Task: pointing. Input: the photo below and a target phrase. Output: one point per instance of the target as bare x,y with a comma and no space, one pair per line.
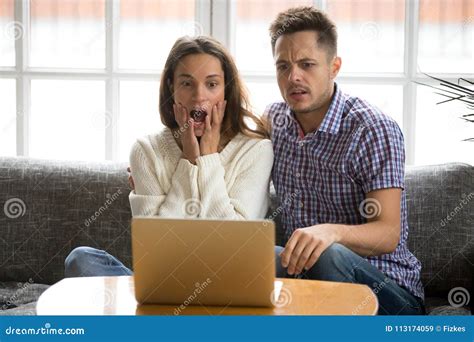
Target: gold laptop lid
203,262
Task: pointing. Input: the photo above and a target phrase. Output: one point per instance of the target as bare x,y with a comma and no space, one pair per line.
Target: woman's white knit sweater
232,184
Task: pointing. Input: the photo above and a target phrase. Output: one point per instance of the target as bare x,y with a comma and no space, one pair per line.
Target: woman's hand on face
186,132
212,133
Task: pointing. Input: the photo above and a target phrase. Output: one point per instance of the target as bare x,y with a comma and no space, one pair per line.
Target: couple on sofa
338,159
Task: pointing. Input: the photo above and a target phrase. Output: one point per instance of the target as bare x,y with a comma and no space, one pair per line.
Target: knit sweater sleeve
150,197
247,196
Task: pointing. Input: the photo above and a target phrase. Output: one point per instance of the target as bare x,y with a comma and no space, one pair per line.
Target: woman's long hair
237,110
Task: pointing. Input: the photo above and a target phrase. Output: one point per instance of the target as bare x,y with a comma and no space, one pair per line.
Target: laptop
203,262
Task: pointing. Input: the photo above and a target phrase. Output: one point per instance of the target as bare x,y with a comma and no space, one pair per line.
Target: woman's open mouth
198,115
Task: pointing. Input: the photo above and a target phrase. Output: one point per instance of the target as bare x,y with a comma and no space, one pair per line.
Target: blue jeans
338,263
91,262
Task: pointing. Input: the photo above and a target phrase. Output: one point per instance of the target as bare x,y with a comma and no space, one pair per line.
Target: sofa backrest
440,202
47,208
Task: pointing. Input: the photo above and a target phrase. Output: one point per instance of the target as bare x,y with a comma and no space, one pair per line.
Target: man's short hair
306,18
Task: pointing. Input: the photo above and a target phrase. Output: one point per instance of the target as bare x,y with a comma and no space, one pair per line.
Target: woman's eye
212,84
185,83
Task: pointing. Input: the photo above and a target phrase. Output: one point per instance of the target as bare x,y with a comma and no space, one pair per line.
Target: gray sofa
47,208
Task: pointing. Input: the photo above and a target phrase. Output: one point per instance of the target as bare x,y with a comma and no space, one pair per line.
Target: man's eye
307,65
281,67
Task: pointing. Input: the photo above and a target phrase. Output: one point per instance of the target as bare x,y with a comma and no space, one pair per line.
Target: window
68,119
10,31
148,30
446,36
86,73
440,131
7,118
137,117
89,70
67,34
375,28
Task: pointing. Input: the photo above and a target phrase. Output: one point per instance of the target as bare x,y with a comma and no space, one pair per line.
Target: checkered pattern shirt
323,176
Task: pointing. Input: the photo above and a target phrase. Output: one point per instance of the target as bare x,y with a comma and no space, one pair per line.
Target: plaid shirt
323,176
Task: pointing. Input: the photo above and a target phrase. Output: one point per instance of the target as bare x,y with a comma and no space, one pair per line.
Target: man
339,172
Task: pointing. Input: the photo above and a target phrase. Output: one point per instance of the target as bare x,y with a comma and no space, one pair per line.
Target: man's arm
379,236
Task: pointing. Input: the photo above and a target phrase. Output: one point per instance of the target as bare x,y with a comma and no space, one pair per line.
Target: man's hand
189,141
306,245
130,179
212,133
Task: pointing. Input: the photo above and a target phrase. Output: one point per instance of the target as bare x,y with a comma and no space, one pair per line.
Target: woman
206,163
